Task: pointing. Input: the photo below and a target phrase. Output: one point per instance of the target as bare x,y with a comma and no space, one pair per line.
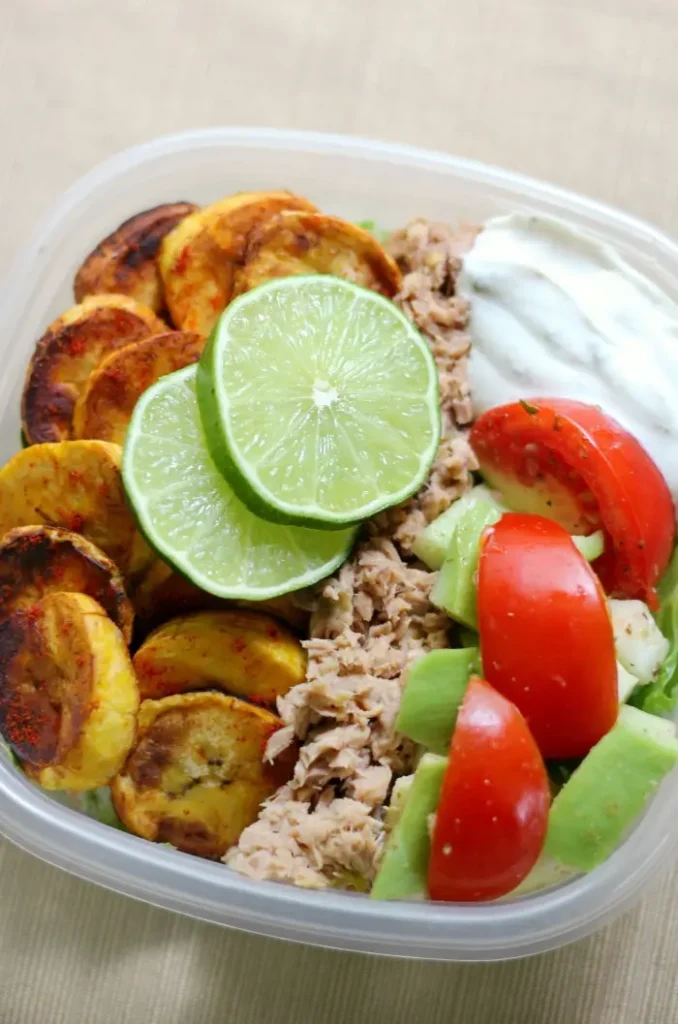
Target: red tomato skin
493,812
545,633
614,480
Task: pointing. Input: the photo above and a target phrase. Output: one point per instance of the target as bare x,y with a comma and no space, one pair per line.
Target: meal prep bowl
358,179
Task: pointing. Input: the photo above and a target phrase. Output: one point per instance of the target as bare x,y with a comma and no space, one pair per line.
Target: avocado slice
546,873
455,589
404,867
434,689
432,544
610,788
393,812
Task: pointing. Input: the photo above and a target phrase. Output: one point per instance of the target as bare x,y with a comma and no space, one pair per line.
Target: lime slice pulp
193,519
319,400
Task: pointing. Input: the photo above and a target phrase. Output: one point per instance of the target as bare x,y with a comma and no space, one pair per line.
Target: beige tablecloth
584,92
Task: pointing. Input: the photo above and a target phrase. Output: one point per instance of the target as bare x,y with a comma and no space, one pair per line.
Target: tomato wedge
491,820
545,633
573,463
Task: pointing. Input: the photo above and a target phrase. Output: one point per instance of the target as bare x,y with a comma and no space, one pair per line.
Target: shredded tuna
430,257
370,785
448,480
331,754
367,625
335,843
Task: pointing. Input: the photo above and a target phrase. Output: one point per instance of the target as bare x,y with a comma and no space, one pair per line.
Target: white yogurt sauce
554,312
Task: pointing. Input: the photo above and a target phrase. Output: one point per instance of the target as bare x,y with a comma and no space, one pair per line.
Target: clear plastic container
358,179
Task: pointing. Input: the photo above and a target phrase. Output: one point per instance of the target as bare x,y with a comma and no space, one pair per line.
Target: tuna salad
346,557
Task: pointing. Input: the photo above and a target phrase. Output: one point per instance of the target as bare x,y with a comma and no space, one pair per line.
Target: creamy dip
554,312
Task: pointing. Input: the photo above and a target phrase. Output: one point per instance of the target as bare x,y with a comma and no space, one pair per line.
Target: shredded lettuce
661,695
380,234
7,751
559,772
97,803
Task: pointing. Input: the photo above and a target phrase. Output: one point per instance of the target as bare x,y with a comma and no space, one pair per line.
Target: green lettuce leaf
97,803
661,695
380,234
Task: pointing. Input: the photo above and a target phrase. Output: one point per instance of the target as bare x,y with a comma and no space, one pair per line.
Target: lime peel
192,518
320,401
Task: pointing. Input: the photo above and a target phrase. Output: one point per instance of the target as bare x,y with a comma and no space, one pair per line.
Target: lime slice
193,519
319,400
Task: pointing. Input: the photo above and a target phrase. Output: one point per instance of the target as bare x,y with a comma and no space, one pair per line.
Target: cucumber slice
403,870
590,547
455,589
433,693
610,788
433,543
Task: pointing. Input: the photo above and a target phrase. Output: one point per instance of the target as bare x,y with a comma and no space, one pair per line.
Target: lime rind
368,437
189,514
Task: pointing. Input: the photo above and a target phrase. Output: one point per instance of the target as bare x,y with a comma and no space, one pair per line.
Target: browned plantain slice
107,401
196,778
163,594
75,485
68,694
125,261
198,259
242,652
299,242
40,560
70,349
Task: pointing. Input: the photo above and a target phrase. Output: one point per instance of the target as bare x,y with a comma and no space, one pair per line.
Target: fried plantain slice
107,401
198,259
162,594
40,560
125,262
68,693
241,652
76,485
299,242
196,778
70,349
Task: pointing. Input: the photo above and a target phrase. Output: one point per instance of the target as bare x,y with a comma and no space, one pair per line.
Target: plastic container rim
334,919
